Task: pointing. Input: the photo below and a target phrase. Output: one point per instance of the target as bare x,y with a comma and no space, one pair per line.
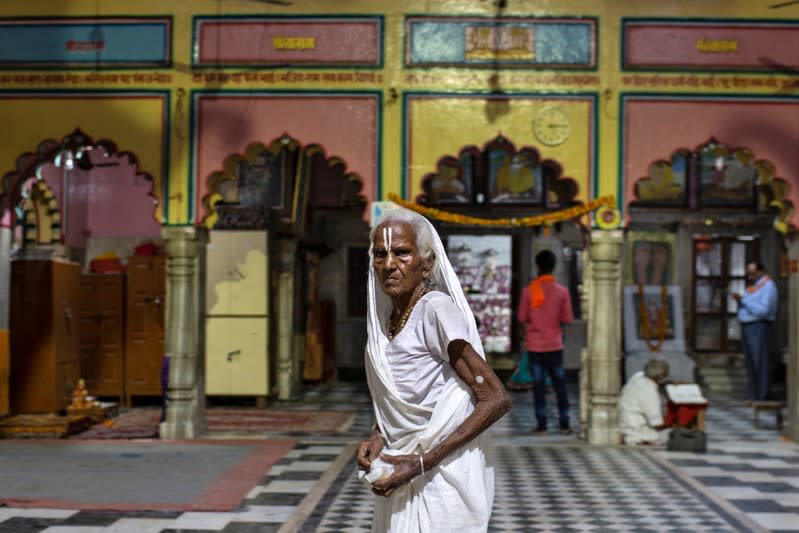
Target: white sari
419,400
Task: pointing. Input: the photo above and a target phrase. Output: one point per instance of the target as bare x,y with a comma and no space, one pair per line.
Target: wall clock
551,126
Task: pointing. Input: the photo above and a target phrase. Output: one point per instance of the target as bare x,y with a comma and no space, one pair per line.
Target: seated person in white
640,411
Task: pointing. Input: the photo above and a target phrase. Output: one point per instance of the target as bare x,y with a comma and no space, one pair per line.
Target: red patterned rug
142,423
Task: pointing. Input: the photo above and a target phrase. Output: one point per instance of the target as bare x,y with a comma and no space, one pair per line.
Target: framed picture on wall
635,338
483,266
651,258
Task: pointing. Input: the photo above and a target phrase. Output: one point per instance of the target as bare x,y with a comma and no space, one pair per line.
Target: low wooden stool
768,406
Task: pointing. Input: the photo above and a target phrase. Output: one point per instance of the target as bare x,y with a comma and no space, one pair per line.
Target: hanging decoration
531,221
643,311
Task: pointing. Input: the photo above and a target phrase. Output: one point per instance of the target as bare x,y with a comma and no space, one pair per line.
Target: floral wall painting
483,265
666,182
453,183
726,177
498,174
714,175
650,258
515,177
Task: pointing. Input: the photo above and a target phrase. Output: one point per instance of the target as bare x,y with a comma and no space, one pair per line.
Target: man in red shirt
544,306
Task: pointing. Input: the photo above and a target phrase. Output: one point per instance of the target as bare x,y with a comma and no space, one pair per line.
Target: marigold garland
537,220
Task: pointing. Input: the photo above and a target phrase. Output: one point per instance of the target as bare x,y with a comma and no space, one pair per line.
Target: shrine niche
40,220
276,184
498,174
715,175
73,169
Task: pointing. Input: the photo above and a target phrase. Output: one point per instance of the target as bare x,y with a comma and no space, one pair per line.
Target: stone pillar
604,341
585,366
287,375
185,413
792,379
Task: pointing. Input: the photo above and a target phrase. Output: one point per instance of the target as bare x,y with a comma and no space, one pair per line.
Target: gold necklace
396,328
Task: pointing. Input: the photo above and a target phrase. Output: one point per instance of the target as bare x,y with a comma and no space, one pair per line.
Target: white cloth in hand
380,470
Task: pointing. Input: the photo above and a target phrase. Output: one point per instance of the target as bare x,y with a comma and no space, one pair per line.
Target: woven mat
43,426
143,423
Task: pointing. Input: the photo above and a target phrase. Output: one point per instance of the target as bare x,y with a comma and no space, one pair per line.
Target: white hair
425,242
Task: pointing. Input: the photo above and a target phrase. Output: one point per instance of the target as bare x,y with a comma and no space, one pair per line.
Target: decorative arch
275,183
714,175
77,145
499,175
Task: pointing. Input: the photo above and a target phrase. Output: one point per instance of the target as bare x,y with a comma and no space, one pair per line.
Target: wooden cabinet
45,363
102,334
237,314
144,331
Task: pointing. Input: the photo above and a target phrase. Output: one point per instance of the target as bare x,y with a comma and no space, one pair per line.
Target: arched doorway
697,218
74,199
302,212
499,180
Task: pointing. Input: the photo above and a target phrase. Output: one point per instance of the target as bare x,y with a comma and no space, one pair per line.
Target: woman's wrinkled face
398,265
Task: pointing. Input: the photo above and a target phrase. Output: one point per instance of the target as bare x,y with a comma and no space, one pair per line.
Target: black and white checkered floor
748,481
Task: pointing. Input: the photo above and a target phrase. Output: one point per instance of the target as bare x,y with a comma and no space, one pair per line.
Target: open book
685,394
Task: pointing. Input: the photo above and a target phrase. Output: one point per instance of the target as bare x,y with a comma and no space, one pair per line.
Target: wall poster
483,265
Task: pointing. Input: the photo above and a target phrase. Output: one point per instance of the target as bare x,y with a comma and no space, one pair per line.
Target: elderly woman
433,393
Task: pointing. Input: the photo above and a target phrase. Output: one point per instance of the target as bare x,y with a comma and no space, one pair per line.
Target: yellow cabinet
237,273
236,359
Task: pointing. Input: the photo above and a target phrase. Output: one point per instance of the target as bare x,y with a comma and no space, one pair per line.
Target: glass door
719,268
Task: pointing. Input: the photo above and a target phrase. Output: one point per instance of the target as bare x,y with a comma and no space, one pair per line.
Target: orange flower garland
537,220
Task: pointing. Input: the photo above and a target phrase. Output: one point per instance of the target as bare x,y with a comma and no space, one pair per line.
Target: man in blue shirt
757,310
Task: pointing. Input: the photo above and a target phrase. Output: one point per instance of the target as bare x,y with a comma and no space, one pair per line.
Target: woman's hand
368,450
406,467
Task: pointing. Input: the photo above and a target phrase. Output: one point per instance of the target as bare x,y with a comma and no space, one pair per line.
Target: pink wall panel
345,126
675,45
106,201
121,205
251,42
653,129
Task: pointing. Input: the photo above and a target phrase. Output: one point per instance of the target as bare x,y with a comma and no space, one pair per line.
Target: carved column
185,413
792,379
585,367
287,364
604,341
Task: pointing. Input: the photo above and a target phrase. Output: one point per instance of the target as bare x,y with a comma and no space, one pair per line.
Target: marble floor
747,481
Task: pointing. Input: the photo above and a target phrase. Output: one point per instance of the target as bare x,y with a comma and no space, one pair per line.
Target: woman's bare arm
492,403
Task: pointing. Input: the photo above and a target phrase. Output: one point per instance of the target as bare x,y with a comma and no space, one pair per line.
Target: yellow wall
135,126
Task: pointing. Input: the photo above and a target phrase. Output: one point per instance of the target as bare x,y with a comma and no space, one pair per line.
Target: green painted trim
195,93
689,21
594,181
190,145
166,181
381,24
593,96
